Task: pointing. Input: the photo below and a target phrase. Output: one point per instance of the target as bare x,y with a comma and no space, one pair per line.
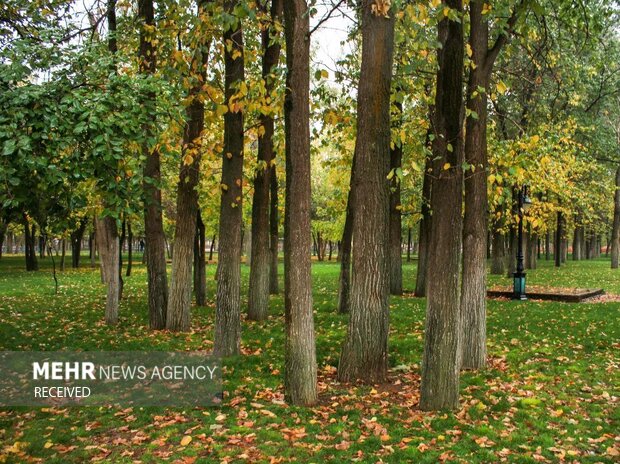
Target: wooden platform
570,295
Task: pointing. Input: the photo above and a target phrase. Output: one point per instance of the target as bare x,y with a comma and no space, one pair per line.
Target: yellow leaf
468,50
446,166
186,440
501,87
48,445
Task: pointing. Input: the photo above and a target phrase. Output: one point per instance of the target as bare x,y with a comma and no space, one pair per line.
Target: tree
440,370
300,376
364,353
396,162
227,310
258,299
155,252
180,296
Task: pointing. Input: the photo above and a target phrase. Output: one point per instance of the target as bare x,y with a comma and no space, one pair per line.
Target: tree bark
258,298
440,366
344,252
498,253
228,300
409,244
129,249
200,271
274,287
154,253
615,234
300,376
212,247
395,243
180,296
29,244
425,228
76,243
365,350
577,242
63,253
557,248
109,251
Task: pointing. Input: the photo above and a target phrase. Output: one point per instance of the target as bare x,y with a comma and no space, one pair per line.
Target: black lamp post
524,203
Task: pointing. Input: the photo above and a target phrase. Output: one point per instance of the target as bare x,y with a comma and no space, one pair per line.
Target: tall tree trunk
395,243
498,258
300,376
29,244
274,287
155,253
615,234
227,311
344,253
557,248
440,366
425,227
577,242
63,254
212,247
200,271
129,249
409,244
109,251
547,246
331,246
365,350
180,296
258,298
76,243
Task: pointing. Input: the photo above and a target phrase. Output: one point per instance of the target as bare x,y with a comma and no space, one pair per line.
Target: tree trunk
76,243
547,246
615,234
154,255
557,248
395,255
409,244
258,298
498,253
425,228
344,252
129,249
577,242
63,254
273,233
365,350
107,236
227,311
440,366
331,245
300,376
29,244
200,271
212,247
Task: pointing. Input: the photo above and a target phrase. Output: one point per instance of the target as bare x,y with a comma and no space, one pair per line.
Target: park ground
550,393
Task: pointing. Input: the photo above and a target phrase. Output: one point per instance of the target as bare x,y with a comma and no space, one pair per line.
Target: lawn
550,393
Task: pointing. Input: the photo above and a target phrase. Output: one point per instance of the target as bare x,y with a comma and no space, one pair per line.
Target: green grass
550,393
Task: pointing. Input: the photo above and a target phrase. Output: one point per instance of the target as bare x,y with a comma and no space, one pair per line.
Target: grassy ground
549,395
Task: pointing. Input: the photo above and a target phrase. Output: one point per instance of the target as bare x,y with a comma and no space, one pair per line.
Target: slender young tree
425,223
200,268
227,311
440,369
396,261
344,252
180,296
365,350
475,222
273,232
155,252
258,299
300,369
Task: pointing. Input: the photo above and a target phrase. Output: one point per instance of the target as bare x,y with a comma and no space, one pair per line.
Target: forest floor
550,394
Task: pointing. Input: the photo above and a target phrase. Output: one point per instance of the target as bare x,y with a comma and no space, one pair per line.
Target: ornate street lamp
524,204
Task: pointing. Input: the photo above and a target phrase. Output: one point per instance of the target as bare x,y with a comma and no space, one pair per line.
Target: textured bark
228,300
76,243
440,366
274,287
109,252
29,244
180,296
577,243
425,228
498,257
395,243
300,368
473,291
129,249
154,253
344,254
365,350
200,268
409,244
615,233
532,250
557,248
258,298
